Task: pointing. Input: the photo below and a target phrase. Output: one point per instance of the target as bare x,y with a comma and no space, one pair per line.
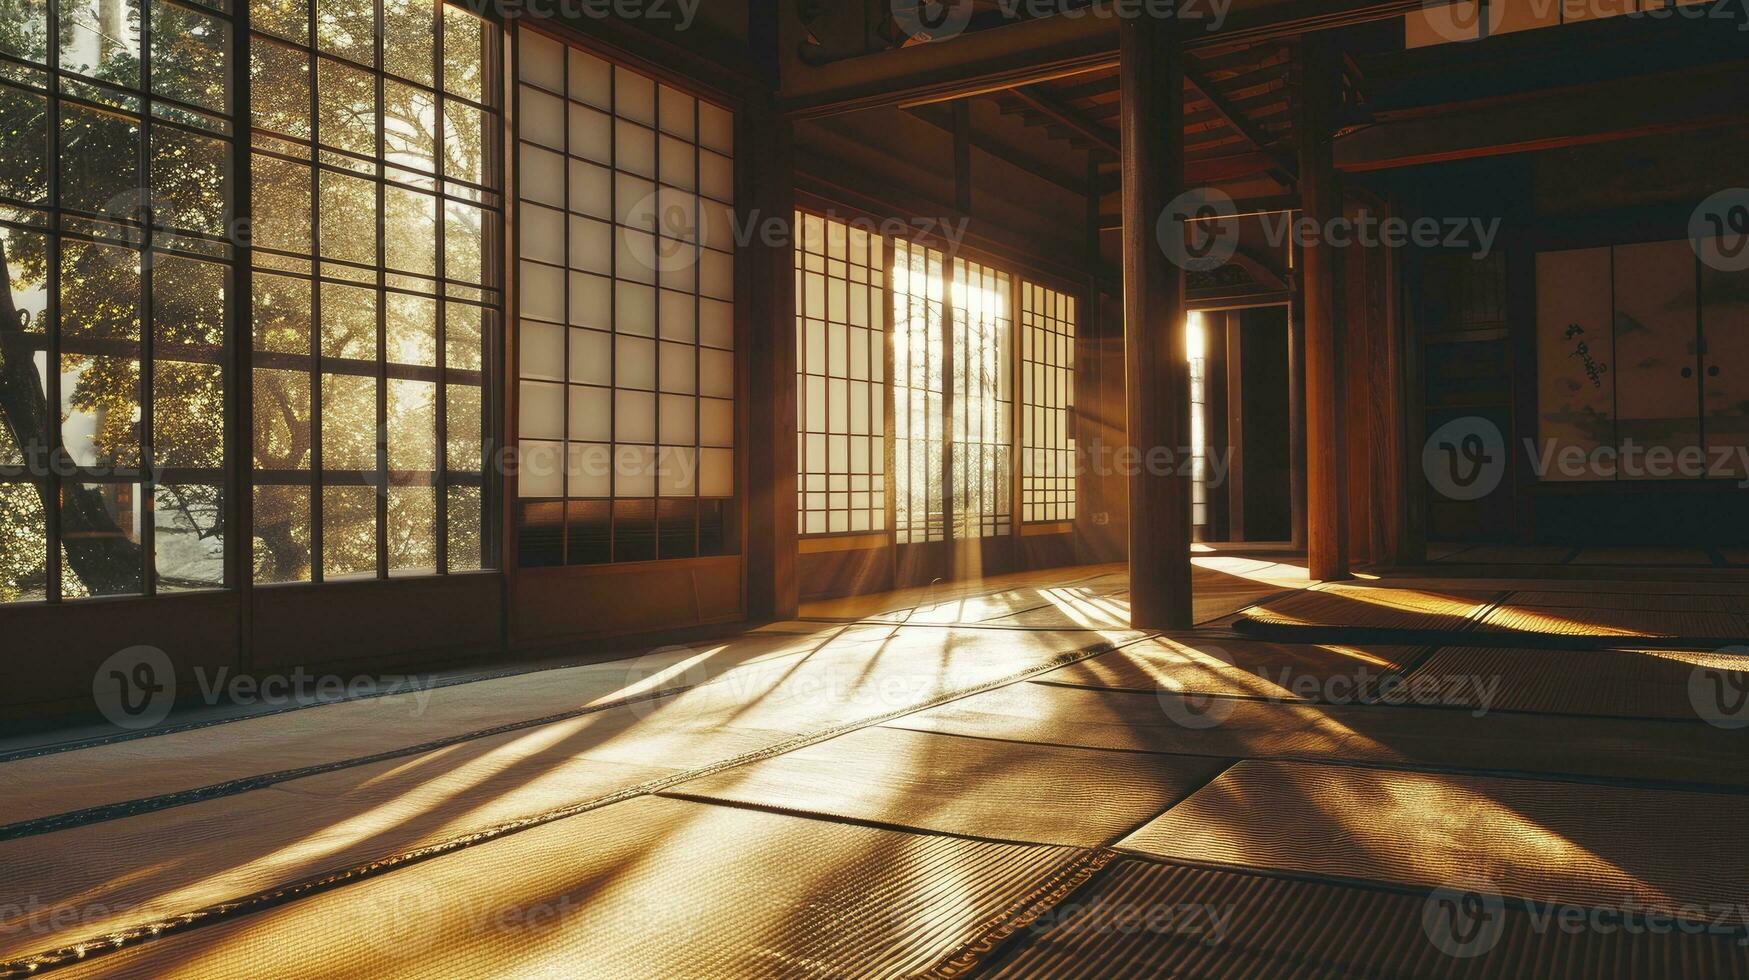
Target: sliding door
1657,388
1725,323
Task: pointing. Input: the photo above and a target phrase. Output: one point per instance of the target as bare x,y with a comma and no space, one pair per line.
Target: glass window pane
464,451
24,554
409,127
188,538
187,400
410,231
348,29
466,527
410,40
99,172
282,420
190,55
463,335
282,534
349,532
289,19
281,202
189,180
24,120
412,426
26,37
100,528
101,39
348,218
349,422
465,54
412,530
349,322
347,101
411,325
100,291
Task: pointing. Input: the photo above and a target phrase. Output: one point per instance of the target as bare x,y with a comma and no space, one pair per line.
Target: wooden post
765,189
1156,370
1326,499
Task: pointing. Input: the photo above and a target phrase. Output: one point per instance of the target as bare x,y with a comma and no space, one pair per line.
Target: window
114,202
983,342
841,352
374,290
1196,343
626,345
1047,379
919,405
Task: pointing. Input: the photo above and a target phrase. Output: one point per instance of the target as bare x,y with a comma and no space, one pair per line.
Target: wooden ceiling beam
1029,52
1048,107
1285,170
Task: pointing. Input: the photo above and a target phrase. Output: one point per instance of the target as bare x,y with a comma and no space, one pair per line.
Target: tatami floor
1442,772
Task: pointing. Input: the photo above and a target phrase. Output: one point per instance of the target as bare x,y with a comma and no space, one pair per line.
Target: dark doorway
1261,473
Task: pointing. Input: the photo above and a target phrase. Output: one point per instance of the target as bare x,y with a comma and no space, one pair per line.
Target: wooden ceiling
1239,107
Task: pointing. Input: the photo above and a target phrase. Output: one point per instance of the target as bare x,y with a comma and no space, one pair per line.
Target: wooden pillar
765,188
1326,502
1235,426
1296,410
1156,370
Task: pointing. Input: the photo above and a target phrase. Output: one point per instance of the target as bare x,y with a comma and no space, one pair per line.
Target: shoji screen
841,368
983,343
1196,343
626,402
919,383
1047,380
375,230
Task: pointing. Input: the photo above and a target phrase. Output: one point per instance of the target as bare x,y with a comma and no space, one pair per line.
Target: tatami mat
1374,734
1687,601
1242,668
1630,683
1143,919
1566,843
135,870
975,787
1615,621
1508,554
1362,607
1643,557
648,888
858,672
59,782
